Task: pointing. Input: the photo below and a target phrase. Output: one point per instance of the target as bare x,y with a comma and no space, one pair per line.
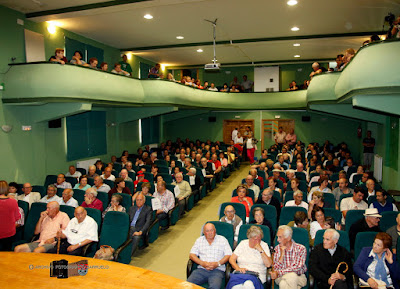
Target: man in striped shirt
167,200
289,261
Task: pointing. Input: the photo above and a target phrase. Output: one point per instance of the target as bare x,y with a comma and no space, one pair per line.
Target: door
270,127
231,124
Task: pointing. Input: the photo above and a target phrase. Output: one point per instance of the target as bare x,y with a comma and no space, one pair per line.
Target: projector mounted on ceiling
214,66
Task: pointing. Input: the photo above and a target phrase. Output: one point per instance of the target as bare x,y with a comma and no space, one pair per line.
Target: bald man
231,218
29,196
49,223
210,252
80,231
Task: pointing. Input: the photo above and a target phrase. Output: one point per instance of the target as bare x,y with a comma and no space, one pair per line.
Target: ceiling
123,26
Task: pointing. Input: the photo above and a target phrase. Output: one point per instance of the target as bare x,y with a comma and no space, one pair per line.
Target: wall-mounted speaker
212,119
55,123
306,118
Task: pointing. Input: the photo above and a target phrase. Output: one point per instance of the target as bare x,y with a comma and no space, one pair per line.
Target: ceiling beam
254,40
81,8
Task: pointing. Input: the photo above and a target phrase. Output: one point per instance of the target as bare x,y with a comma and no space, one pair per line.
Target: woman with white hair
250,258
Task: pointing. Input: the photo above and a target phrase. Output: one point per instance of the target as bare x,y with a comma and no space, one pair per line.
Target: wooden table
31,270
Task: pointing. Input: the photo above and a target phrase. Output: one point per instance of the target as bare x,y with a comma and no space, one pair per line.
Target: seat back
73,181
117,167
343,197
50,179
68,210
287,214
344,240
301,176
81,170
363,239
223,229
329,198
102,196
256,182
163,169
115,229
39,189
25,207
33,218
334,177
59,192
90,181
270,215
289,196
79,195
167,178
149,177
130,186
353,216
109,183
372,199
243,233
335,214
161,163
96,215
388,220
239,208
139,187
357,178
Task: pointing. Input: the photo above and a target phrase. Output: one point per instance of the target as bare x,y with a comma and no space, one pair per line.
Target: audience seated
104,66
318,221
394,232
81,230
210,252
368,224
77,59
28,196
250,255
119,187
140,220
341,189
67,198
353,203
155,72
91,200
72,172
107,174
297,201
231,218
167,201
300,220
184,189
51,195
58,56
381,203
99,186
118,70
242,198
47,227
93,63
259,219
61,183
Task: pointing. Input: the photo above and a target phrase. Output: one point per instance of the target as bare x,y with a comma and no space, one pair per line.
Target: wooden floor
31,270
170,252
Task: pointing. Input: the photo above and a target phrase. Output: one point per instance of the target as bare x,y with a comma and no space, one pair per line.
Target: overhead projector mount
213,66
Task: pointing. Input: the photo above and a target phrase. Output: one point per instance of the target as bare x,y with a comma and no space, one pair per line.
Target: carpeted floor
170,252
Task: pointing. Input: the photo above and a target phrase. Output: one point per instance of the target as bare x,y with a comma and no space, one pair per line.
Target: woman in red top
9,214
243,198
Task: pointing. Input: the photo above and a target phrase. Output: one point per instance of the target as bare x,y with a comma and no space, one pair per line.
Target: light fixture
179,37
296,44
163,66
199,50
295,28
51,27
292,2
129,55
148,16
297,56
6,128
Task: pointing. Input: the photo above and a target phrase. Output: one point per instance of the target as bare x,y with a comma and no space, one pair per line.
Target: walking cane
272,265
337,270
58,244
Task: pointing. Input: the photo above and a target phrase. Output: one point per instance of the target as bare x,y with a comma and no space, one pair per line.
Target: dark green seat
287,214
256,182
50,179
130,186
90,249
109,183
270,215
139,187
132,175
117,167
73,181
289,196
329,198
161,163
372,199
102,196
59,192
20,230
79,195
353,216
388,220
250,193
343,197
126,201
243,233
334,177
68,210
149,176
301,176
114,233
344,240
31,221
163,169
363,239
335,214
39,189
239,208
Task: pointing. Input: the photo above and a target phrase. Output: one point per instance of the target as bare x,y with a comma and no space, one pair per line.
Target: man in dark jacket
140,220
324,260
368,224
267,198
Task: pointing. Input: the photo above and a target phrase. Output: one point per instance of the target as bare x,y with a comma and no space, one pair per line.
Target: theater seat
68,210
363,239
239,208
50,179
270,215
287,214
250,193
344,240
73,181
353,216
79,195
388,220
335,214
223,229
126,201
90,249
243,233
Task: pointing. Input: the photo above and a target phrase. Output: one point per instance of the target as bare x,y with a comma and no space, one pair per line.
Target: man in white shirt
107,174
234,133
67,198
51,195
72,172
252,186
231,218
353,203
100,187
210,252
298,201
370,184
29,196
80,231
61,183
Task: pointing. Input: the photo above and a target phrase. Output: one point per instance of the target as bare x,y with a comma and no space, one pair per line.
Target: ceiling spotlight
292,2
296,44
297,56
179,37
148,16
199,50
295,28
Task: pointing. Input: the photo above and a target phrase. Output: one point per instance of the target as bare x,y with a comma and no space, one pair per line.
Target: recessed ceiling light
297,56
295,28
292,2
179,37
200,50
296,44
148,16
